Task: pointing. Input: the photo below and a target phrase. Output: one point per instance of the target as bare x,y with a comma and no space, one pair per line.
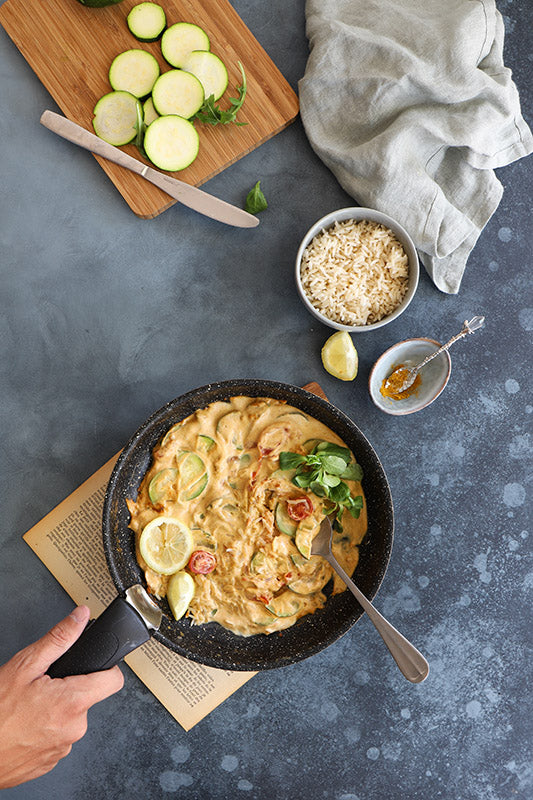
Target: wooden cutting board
70,47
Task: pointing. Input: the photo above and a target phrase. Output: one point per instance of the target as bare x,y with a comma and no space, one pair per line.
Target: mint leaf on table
324,471
255,200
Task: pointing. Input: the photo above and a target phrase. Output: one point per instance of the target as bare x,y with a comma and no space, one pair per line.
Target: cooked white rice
355,273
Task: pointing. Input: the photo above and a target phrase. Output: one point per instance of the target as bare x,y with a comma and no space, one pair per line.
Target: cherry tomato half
299,508
202,562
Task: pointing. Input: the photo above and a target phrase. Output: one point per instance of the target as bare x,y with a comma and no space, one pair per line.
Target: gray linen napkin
408,102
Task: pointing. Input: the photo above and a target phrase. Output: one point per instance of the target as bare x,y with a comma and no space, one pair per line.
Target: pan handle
104,642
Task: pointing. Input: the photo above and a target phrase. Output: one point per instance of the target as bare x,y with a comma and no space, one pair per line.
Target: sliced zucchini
210,70
181,39
170,433
259,614
285,604
162,485
171,143
228,428
192,478
306,532
149,111
115,117
134,71
245,460
98,3
309,584
147,21
205,443
298,560
284,523
258,561
310,444
178,92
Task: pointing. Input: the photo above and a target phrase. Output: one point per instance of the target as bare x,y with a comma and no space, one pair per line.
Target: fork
411,662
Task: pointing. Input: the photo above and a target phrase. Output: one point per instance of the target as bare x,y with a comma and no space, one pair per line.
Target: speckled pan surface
211,644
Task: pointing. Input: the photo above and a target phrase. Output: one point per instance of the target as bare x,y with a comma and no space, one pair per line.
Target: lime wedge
166,545
180,592
339,356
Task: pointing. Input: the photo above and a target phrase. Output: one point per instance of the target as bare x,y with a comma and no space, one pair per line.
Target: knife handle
104,642
89,141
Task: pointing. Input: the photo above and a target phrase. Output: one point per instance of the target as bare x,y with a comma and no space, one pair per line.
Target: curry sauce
218,472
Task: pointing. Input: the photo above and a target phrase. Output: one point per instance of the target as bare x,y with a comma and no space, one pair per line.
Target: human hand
41,717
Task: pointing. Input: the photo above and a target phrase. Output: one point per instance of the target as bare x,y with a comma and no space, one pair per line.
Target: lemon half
166,545
339,356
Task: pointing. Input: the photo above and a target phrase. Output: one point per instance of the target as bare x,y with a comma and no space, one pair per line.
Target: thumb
39,655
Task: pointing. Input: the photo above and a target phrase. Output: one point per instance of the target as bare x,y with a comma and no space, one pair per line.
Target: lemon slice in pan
166,545
339,356
180,592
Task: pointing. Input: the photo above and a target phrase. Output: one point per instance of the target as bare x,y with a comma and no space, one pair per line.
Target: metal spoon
409,373
411,662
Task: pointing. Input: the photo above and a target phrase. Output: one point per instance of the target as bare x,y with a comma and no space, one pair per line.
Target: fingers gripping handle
104,642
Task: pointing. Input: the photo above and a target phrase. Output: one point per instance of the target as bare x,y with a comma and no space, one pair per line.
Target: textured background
106,317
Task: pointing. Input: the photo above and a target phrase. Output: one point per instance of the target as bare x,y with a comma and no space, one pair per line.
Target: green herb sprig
212,114
324,471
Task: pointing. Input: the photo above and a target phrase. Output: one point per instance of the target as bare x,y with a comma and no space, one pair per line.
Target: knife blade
190,196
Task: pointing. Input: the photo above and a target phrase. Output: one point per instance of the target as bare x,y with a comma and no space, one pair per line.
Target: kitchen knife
190,196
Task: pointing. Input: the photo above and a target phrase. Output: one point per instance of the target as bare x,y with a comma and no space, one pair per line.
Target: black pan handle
104,642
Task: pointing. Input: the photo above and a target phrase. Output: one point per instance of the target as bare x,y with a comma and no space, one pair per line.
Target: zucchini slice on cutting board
134,71
115,117
147,21
171,142
210,70
181,39
149,111
98,3
178,92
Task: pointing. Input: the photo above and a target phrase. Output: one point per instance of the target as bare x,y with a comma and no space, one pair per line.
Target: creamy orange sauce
235,506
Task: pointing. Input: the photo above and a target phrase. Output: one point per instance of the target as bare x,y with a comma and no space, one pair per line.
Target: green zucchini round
171,143
147,21
99,3
134,71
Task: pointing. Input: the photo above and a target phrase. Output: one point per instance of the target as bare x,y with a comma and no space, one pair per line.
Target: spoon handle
469,327
411,662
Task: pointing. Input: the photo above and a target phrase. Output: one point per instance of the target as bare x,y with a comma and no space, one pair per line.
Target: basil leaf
340,493
255,200
334,450
333,464
353,472
331,480
317,488
290,460
302,480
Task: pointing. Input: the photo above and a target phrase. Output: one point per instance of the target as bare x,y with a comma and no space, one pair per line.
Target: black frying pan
212,644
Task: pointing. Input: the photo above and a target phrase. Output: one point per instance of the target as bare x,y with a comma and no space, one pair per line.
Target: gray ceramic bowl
434,376
358,214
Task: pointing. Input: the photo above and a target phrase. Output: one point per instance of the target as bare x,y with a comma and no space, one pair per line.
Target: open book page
69,542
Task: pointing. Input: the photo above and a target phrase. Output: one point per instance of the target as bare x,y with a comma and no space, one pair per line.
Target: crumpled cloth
408,102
